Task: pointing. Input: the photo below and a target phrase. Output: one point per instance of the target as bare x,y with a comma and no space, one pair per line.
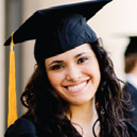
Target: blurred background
113,23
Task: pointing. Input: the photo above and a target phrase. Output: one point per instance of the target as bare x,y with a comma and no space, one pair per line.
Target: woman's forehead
80,50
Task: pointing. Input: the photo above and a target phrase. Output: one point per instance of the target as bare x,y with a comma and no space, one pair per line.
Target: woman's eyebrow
61,61
80,54
55,61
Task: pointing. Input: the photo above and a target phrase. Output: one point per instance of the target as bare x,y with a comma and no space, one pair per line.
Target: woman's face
74,74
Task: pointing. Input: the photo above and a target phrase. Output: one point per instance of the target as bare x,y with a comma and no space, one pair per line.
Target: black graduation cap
59,29
132,46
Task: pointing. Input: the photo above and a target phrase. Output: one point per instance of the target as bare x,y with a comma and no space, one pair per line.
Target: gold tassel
12,108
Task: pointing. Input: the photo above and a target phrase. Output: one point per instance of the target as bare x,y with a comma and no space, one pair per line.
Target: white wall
2,79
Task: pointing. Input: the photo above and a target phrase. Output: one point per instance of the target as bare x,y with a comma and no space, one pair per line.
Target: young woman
73,91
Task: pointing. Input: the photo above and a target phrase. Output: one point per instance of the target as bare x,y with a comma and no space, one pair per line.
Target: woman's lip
77,87
71,85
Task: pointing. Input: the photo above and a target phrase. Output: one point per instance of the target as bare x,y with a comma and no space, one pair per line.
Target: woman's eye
81,60
57,67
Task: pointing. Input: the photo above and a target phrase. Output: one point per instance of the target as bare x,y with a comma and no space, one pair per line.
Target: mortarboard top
132,46
46,27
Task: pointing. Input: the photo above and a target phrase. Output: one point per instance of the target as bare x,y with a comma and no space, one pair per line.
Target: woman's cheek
55,78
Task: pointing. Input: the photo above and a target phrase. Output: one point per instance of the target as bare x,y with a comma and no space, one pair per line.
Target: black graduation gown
133,92
25,128
21,128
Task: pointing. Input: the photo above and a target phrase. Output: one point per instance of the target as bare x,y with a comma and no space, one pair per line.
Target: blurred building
117,19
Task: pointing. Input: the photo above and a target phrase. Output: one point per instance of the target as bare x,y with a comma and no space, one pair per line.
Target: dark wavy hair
47,108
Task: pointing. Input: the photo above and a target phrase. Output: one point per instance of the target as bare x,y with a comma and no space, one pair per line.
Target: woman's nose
73,73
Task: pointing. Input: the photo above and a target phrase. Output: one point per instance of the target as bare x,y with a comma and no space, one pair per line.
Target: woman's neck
83,117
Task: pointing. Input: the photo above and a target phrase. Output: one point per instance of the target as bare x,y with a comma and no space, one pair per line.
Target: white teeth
78,87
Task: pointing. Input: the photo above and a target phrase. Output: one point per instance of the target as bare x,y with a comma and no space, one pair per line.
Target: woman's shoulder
132,129
22,127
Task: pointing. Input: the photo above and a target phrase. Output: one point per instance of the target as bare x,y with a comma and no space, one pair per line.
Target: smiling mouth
77,87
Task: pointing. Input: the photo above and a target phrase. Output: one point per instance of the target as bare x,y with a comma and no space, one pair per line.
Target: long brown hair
47,108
